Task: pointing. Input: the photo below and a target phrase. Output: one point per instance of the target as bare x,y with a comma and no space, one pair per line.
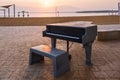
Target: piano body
80,32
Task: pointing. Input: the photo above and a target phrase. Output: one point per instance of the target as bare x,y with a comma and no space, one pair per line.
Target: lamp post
56,11
23,13
14,9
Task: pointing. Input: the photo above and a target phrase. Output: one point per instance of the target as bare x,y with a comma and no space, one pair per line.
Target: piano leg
88,49
53,42
68,50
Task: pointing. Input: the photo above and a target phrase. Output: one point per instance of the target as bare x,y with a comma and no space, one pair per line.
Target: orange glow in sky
45,3
63,4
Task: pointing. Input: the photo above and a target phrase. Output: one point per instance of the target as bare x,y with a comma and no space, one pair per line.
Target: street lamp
14,9
23,13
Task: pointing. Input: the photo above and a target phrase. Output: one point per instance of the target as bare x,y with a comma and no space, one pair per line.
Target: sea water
53,14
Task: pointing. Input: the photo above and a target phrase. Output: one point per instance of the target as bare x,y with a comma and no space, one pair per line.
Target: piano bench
59,57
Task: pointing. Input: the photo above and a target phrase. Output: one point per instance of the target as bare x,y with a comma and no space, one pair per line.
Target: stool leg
35,58
61,64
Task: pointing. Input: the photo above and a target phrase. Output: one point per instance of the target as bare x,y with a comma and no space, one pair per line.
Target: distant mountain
97,11
67,8
54,9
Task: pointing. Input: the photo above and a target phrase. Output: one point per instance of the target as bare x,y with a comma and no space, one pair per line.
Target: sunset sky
62,5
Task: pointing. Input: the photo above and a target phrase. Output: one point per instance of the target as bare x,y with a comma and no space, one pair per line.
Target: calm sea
66,14
53,14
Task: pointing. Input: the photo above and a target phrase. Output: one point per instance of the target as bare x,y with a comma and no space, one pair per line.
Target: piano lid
82,24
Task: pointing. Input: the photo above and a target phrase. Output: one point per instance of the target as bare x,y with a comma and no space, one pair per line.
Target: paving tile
14,57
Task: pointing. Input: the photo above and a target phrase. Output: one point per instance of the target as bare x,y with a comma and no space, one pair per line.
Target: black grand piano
78,31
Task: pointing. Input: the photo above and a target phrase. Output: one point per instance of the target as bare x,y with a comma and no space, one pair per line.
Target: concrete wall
37,21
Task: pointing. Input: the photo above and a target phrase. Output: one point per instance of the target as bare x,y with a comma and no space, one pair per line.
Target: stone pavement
15,43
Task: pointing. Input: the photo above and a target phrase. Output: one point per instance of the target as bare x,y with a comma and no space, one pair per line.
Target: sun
47,3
